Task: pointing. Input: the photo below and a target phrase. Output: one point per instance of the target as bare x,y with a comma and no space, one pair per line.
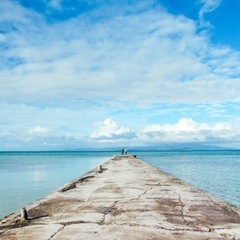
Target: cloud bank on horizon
109,73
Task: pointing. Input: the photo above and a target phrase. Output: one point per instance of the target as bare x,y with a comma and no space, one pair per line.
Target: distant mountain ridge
160,147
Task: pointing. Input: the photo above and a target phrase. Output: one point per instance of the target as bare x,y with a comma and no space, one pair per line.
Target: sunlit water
28,176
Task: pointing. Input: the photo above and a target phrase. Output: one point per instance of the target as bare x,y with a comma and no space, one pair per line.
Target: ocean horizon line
136,149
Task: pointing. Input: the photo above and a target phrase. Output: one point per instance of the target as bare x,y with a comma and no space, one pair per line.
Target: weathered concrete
125,199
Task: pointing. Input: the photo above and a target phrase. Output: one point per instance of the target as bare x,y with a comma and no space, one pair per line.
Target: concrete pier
126,199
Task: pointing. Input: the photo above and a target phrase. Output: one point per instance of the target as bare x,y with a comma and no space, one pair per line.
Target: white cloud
65,75
165,60
55,4
39,131
110,131
184,125
188,130
210,5
20,14
207,7
23,126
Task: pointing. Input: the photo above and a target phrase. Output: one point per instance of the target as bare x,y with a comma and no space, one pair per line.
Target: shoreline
125,194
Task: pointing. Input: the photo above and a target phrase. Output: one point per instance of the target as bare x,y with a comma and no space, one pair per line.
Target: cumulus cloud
188,130
110,131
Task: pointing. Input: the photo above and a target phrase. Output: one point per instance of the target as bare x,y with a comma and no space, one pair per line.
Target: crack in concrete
59,230
139,196
77,222
159,227
103,219
182,206
87,201
107,211
67,223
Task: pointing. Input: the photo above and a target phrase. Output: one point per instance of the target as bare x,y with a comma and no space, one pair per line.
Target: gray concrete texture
125,198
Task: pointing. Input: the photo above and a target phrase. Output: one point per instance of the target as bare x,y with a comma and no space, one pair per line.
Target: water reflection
25,177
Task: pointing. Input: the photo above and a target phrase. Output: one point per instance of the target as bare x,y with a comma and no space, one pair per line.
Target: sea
28,176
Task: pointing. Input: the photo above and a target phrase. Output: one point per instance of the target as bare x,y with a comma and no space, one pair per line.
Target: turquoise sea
28,176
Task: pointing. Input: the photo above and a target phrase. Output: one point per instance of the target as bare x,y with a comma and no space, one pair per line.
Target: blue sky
79,74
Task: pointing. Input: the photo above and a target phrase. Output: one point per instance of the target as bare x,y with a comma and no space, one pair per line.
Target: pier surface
125,198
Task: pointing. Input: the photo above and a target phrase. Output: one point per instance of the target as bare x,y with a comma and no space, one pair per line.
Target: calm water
27,176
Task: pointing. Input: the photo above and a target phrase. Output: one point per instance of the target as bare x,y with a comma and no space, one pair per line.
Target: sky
77,74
